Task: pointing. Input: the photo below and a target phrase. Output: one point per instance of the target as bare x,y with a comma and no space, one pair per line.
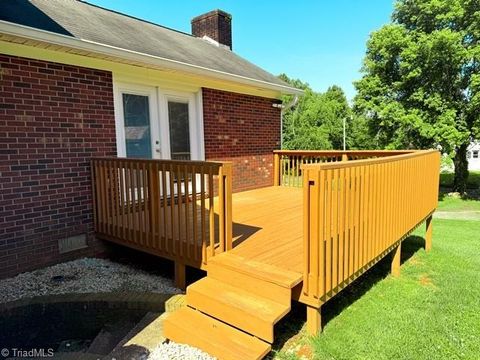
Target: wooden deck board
276,215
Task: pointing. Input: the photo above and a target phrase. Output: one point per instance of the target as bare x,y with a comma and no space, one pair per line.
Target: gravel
88,275
174,351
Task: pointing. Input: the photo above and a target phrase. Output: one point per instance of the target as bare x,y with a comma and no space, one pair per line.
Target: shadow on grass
364,283
287,330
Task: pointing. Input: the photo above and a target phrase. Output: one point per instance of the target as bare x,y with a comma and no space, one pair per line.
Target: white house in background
473,156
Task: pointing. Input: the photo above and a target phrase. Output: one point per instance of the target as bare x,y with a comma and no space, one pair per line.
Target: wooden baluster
128,202
188,241
334,226
146,207
341,226
178,176
202,214
113,199
139,202
165,233
228,206
211,211
122,199
221,208
174,239
328,232
194,214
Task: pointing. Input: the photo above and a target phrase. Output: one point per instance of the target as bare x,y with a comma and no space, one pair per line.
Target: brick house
78,81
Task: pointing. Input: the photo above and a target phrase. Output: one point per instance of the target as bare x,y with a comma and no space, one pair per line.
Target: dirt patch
415,261
426,281
305,352
458,215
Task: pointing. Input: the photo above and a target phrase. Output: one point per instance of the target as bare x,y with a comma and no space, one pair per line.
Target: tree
316,121
421,82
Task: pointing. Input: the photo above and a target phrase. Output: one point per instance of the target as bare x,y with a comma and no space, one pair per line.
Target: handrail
355,212
166,207
288,163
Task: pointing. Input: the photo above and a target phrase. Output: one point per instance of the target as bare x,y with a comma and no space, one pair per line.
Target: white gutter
12,29
285,108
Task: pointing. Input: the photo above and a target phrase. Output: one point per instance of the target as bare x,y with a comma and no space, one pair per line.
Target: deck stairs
231,313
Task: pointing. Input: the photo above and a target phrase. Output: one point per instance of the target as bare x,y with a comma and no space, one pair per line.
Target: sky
321,42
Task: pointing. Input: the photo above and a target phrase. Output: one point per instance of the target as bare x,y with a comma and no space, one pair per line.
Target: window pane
137,126
475,154
179,131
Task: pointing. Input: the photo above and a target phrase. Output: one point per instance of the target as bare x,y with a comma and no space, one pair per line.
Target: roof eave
13,29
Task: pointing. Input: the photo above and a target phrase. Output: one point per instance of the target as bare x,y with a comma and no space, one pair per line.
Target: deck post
396,260
276,169
180,279
428,234
314,320
344,157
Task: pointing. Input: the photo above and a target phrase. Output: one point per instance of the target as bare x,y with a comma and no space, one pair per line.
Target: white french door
153,124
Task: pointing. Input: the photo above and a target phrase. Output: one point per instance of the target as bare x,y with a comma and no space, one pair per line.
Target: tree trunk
461,169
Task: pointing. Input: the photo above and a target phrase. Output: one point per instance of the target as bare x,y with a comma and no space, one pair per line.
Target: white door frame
151,93
159,122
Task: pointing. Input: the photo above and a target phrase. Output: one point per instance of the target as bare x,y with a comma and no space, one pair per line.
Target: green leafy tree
316,121
421,81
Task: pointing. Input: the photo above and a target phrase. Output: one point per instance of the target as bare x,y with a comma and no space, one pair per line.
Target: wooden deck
328,219
267,227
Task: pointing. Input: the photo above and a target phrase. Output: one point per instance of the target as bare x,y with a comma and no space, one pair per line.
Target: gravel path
86,275
173,351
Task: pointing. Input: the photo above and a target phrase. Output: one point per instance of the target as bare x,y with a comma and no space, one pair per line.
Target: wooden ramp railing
164,207
356,212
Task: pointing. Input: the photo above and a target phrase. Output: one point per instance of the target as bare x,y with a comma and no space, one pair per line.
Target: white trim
200,128
92,46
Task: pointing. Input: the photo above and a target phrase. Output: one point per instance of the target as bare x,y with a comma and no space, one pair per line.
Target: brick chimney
216,25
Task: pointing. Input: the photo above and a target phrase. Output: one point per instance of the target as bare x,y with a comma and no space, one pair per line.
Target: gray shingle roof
89,22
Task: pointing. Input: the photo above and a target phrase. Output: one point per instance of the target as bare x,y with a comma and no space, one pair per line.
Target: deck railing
355,212
164,207
288,163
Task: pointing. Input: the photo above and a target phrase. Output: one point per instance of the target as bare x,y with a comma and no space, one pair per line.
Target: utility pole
344,133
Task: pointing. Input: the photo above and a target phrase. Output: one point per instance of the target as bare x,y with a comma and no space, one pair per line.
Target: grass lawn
446,180
432,311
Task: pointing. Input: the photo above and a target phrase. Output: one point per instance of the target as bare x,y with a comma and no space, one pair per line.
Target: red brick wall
53,118
243,129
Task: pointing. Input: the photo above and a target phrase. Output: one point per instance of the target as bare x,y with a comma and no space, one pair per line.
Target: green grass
432,311
446,180
453,204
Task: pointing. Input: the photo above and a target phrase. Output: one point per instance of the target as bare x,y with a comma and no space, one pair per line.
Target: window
179,130
475,154
137,126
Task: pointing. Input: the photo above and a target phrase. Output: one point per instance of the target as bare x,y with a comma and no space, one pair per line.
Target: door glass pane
179,130
137,126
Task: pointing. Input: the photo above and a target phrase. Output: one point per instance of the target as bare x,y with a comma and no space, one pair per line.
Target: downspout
285,108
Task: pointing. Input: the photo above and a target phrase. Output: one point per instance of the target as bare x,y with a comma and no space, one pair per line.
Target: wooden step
188,326
255,269
255,286
237,307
